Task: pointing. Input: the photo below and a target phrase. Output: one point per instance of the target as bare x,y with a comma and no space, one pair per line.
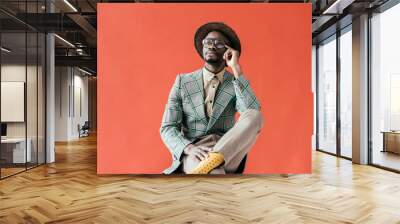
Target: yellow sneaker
213,160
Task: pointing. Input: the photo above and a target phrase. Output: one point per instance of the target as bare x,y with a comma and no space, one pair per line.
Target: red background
142,47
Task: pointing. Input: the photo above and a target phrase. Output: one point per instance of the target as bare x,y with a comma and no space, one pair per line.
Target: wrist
237,70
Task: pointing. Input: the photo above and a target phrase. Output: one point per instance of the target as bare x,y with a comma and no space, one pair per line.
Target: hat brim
227,31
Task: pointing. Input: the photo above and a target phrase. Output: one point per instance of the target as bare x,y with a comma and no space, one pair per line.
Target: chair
241,166
84,130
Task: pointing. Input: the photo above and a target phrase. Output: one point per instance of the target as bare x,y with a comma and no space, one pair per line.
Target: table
13,150
391,141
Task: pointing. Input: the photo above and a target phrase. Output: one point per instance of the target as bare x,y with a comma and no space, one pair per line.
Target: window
327,95
346,93
385,88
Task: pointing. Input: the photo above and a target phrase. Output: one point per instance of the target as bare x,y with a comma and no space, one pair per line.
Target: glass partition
22,89
14,154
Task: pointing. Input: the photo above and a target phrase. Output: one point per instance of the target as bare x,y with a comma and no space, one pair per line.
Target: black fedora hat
228,32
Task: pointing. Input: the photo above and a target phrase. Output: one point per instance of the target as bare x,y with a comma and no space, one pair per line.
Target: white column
50,100
360,90
50,92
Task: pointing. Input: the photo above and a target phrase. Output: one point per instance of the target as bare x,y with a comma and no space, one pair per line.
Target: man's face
212,50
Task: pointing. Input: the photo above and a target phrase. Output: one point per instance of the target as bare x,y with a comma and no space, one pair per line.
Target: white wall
81,84
71,93
12,73
61,103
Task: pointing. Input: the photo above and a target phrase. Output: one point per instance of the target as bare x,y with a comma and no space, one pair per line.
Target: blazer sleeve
245,97
171,124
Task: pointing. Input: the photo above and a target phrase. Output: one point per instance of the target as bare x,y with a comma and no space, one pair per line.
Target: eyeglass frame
213,42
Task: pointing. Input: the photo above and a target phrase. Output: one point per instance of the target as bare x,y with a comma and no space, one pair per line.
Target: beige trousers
234,144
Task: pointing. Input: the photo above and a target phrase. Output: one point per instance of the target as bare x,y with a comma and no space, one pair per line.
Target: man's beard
215,61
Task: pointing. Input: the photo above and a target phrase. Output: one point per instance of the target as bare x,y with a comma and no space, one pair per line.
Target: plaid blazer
184,119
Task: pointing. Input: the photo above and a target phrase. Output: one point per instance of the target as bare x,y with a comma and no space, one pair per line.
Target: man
198,124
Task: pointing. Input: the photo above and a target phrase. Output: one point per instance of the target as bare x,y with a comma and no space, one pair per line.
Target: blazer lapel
224,95
195,91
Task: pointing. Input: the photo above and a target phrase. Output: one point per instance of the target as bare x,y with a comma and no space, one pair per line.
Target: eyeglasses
217,43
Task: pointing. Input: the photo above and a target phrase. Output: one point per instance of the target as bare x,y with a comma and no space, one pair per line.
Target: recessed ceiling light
338,6
64,40
5,50
70,5
84,71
